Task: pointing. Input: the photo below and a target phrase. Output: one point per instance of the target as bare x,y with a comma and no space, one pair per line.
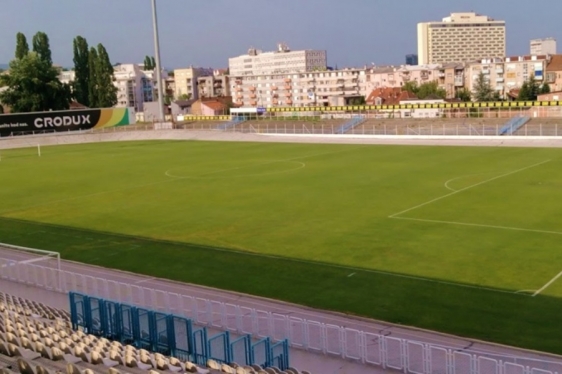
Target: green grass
293,221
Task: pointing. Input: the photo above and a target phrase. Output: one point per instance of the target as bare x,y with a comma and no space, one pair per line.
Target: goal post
13,256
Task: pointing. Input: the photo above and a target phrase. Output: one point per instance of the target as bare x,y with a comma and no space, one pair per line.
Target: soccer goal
32,266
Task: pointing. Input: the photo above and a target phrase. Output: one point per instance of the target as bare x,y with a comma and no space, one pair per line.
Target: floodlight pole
158,67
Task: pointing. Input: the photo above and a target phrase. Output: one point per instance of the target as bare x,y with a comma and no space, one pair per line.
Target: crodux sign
70,120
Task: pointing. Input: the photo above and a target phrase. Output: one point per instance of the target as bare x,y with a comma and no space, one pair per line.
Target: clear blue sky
207,32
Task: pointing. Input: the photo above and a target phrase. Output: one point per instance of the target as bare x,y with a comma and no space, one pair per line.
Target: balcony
287,80
500,79
485,71
252,88
253,102
499,71
288,94
274,88
441,74
253,96
238,89
289,101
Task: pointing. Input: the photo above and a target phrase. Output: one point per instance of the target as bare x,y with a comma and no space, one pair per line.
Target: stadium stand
233,122
38,339
350,125
513,125
541,127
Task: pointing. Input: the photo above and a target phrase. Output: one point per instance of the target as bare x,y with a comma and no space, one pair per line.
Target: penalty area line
547,284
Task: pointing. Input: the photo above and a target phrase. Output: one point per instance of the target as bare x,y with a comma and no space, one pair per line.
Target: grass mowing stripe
444,307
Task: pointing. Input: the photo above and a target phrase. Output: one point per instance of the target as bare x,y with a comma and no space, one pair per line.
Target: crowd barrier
171,335
408,356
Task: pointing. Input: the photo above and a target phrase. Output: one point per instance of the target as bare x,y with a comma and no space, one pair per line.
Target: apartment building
312,88
135,86
553,76
67,76
397,76
461,37
185,81
507,74
545,46
282,61
216,85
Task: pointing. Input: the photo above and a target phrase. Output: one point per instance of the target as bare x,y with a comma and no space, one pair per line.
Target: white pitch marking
480,225
548,284
463,176
350,275
524,291
466,188
145,280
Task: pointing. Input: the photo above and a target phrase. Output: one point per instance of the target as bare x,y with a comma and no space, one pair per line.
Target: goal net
32,266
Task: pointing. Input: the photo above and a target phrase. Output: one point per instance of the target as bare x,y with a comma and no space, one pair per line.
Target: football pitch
463,240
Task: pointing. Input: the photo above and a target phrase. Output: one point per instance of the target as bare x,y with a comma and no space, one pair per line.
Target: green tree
482,89
1,109
93,97
184,97
463,95
153,63
33,85
529,90
107,92
42,48
22,48
81,84
425,90
411,86
430,90
544,89
357,101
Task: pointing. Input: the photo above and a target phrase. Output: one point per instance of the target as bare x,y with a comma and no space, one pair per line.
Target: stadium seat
24,367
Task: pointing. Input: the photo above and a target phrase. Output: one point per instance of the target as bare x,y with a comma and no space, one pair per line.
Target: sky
207,32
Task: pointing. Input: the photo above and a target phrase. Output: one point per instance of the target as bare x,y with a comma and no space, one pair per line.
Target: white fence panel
174,304
113,288
353,344
334,340
438,360
415,354
216,313
539,371
315,336
126,293
462,363
488,365
248,321
394,356
511,368
373,349
232,318
297,332
203,315
280,327
188,308
262,323
149,298
137,295
161,301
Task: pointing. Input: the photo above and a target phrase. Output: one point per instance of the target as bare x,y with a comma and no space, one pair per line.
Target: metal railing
408,356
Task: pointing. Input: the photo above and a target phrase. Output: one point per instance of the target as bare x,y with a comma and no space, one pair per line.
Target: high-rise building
282,61
543,46
461,37
411,59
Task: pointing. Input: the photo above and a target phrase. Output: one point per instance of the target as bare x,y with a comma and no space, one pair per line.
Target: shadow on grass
487,314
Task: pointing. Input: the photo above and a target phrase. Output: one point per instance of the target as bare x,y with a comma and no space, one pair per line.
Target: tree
529,90
107,92
42,48
81,84
93,91
184,97
149,63
463,95
33,85
425,90
544,89
22,48
482,89
357,101
430,90
1,109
